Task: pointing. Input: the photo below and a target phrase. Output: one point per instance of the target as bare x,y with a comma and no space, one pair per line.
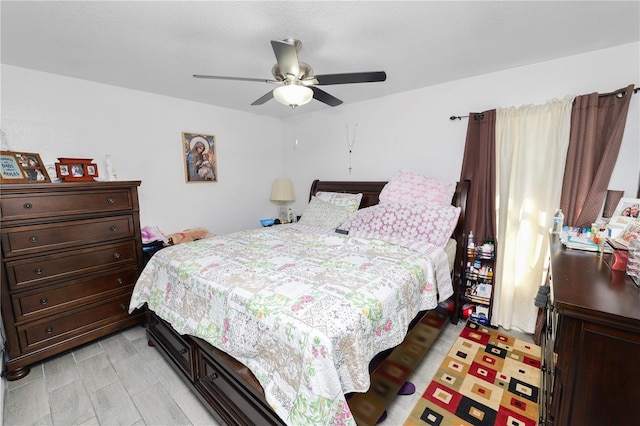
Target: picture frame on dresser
22,167
76,169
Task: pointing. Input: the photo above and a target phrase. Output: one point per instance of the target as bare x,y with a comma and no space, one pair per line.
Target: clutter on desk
587,239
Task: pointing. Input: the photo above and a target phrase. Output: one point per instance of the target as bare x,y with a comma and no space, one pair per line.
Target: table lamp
282,193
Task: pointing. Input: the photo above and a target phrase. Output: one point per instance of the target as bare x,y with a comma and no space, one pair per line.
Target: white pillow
410,187
323,214
350,201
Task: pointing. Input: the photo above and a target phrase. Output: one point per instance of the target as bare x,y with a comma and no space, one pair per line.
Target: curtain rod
460,117
481,116
618,93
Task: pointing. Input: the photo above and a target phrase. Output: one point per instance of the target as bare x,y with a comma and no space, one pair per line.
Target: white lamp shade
282,190
293,94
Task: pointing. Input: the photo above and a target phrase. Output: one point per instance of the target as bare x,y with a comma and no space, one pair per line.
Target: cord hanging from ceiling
295,118
351,141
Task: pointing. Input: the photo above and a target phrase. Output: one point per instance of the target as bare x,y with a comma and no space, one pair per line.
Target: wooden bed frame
226,387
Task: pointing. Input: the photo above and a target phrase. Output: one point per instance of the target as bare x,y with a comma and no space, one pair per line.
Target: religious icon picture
199,152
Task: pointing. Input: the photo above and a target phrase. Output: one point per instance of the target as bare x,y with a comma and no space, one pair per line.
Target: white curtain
531,147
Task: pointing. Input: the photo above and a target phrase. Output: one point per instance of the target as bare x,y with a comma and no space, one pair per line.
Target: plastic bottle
492,247
471,247
558,222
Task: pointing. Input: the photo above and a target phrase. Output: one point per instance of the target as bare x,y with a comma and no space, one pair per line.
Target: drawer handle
113,228
111,200
183,351
119,280
33,239
123,306
44,301
116,255
212,376
27,206
48,330
38,270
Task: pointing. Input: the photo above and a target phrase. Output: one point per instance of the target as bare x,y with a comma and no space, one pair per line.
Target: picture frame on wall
76,169
22,167
199,152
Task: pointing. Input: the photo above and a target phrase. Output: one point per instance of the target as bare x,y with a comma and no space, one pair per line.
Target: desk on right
590,342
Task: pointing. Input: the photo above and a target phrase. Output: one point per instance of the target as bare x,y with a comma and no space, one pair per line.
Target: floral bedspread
304,309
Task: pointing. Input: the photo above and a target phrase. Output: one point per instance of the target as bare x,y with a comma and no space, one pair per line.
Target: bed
261,339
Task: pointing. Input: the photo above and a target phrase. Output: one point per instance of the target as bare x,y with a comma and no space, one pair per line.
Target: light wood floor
119,380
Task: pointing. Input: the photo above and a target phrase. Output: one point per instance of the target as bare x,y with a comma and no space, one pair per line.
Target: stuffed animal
188,235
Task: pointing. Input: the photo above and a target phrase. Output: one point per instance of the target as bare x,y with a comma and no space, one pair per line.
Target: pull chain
351,142
295,118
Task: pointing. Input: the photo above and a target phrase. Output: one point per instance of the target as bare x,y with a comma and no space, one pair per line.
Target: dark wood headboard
370,189
370,196
371,192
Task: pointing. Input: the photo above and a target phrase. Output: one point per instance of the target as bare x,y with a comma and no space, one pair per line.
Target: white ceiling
156,46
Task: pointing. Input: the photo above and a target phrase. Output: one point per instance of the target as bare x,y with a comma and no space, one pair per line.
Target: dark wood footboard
226,387
234,397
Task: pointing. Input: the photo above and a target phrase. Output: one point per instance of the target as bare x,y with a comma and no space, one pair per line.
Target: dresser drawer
180,349
26,240
218,385
51,330
42,269
70,294
47,204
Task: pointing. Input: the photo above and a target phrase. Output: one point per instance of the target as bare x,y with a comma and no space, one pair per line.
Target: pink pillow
421,222
410,187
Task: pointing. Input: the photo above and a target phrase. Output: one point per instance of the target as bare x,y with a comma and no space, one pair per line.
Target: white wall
64,117
413,130
57,116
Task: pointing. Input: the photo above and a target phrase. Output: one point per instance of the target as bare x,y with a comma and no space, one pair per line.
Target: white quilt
304,309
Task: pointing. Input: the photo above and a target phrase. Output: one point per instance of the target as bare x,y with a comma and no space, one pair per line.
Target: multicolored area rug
487,378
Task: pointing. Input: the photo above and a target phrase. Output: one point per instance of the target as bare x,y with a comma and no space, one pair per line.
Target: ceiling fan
297,84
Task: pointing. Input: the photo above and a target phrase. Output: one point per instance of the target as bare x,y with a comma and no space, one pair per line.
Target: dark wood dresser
591,342
71,254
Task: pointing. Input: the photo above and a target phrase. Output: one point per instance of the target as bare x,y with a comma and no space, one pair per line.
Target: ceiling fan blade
220,77
324,97
354,77
287,57
263,99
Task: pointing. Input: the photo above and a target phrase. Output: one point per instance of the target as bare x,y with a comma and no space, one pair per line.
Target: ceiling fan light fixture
293,95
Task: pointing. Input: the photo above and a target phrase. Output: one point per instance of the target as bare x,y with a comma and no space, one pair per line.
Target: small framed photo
626,212
76,169
199,153
22,167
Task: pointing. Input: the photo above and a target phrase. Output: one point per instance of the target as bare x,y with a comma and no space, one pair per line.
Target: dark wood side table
591,342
